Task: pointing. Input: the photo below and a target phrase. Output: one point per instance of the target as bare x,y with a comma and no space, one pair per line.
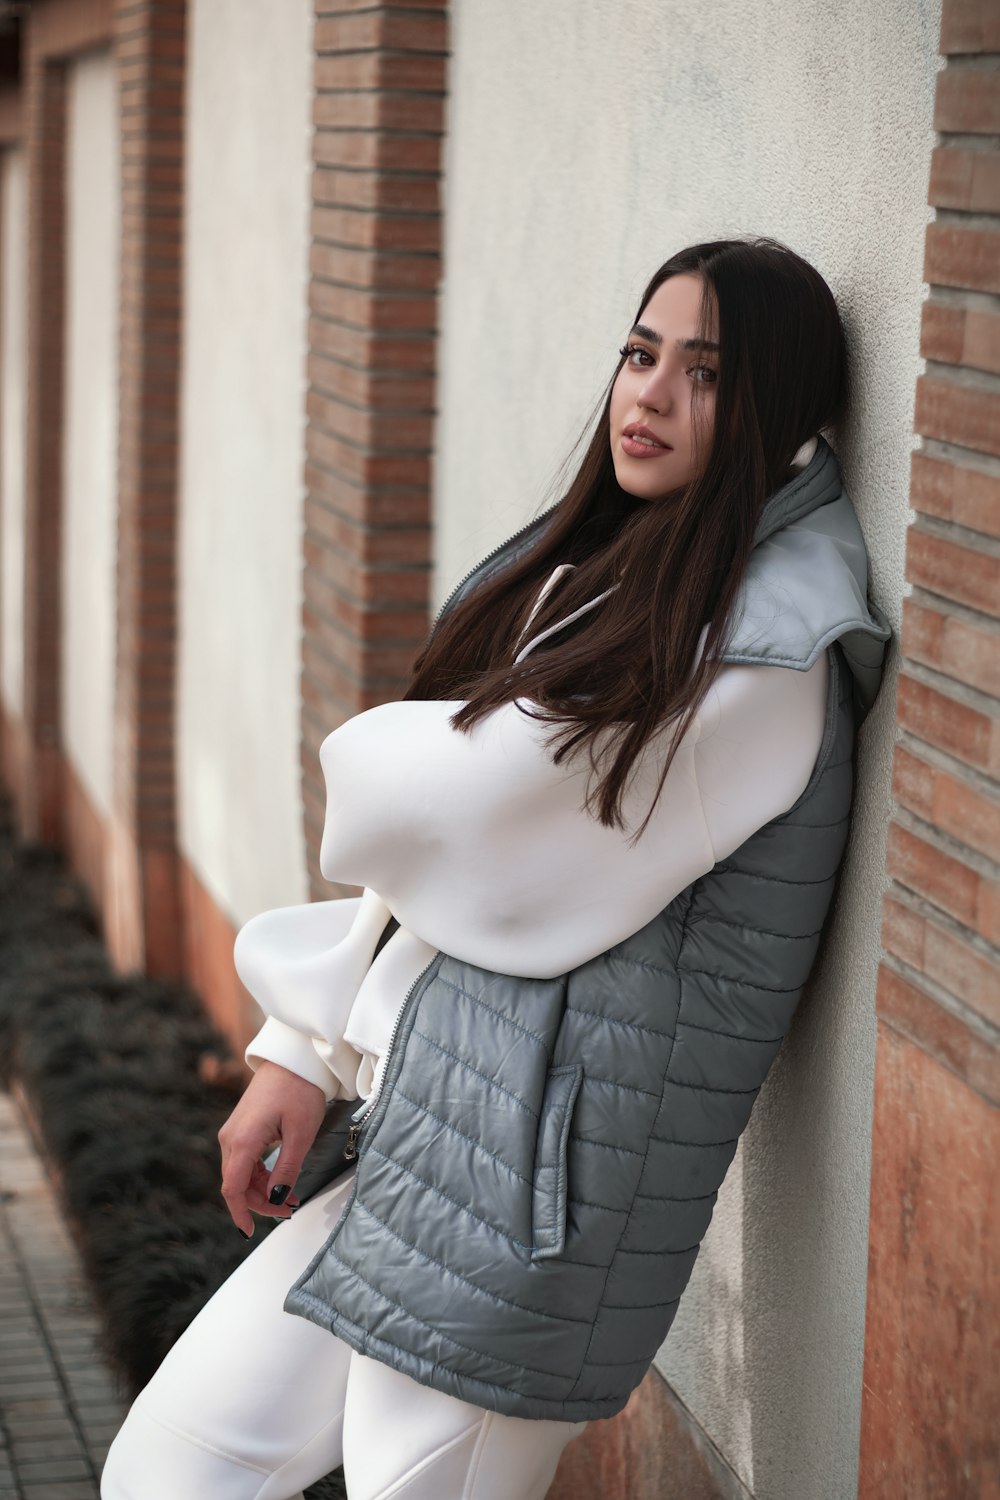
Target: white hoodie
479,846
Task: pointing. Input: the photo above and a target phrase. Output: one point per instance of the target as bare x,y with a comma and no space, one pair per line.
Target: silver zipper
360,1116
483,561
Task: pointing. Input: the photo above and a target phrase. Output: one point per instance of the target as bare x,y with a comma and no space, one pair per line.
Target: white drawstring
559,625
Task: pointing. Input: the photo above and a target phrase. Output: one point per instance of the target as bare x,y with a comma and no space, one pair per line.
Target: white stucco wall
13,350
246,249
90,431
587,142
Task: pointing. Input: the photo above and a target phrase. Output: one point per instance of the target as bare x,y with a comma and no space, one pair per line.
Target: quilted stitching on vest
544,1159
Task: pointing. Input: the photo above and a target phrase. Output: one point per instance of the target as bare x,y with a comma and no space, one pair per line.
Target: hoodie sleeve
481,847
304,966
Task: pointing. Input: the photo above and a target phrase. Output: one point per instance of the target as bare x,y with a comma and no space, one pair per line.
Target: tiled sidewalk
58,1405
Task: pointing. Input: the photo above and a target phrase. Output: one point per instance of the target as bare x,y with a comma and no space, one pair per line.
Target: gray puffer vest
542,1164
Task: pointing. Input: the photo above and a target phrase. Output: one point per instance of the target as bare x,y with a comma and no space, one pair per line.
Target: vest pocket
548,1192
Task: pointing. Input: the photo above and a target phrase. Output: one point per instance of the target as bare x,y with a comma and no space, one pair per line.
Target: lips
639,442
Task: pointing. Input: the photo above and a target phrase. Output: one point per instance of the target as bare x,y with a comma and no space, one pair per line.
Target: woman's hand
277,1106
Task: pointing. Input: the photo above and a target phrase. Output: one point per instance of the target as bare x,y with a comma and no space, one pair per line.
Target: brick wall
39,788
142,905
131,864
931,1391
375,262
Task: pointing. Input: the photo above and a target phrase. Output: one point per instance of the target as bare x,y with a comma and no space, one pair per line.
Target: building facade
302,308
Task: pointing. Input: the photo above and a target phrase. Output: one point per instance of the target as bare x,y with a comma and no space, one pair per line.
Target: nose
655,394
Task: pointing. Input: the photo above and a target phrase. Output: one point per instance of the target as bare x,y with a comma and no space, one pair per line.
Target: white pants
253,1403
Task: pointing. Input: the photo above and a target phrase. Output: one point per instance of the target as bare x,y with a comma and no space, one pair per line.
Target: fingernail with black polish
278,1194
244,1233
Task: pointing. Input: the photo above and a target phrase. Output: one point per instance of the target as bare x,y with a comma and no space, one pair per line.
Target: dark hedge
115,1069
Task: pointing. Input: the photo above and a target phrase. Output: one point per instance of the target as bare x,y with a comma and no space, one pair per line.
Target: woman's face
667,370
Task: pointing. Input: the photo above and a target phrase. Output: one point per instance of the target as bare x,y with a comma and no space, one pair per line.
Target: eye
705,375
629,353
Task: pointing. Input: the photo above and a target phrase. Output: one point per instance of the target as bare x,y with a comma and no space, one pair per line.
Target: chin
639,491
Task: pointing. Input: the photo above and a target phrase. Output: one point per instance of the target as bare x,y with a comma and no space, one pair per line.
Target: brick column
931,1391
54,31
13,750
142,905
39,778
379,106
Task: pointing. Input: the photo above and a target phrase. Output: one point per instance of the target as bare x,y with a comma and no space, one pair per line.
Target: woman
598,842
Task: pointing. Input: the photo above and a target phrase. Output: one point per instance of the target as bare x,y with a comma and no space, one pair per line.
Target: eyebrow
705,346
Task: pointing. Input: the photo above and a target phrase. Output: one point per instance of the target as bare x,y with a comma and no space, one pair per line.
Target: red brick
933,874
972,977
384,626
903,932
956,255
349,660
969,653
909,1009
378,310
952,726
345,7
367,468
136,44
949,568
381,230
139,71
376,70
369,269
955,492
384,431
968,100
372,350
334,651
961,336
913,782
942,332
381,588
370,547
958,413
401,31
364,387
965,179
377,149
928,1416
967,814
970,26
396,193
396,506
379,110
988,911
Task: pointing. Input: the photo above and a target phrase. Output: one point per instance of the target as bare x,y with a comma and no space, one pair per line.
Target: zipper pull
351,1149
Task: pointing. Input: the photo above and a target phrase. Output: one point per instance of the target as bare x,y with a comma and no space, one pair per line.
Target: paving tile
67,1490
39,1469
103,1432
58,1399
32,1449
35,1406
54,1431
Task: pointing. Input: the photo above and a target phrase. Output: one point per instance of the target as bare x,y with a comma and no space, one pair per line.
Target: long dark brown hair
627,668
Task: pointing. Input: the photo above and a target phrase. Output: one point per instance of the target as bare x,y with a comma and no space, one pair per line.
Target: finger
236,1177
284,1173
257,1192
